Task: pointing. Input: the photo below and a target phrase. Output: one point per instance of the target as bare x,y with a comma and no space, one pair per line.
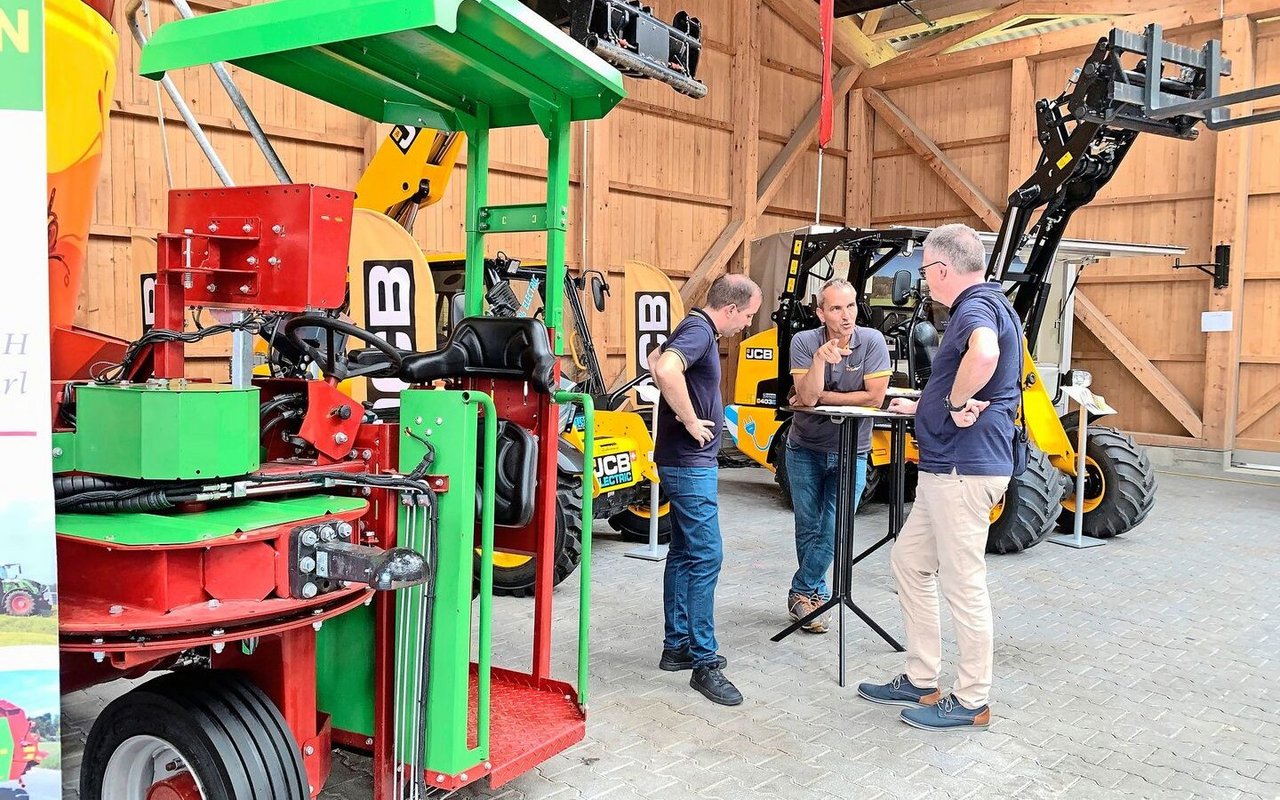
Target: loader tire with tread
518,581
1121,472
1029,509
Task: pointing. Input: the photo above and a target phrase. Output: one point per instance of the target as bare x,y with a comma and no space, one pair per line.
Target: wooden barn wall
661,185
1163,193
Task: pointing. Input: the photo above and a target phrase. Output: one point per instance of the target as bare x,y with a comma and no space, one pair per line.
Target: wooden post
1024,150
860,164
1230,226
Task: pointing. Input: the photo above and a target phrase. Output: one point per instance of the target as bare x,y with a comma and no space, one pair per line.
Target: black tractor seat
516,348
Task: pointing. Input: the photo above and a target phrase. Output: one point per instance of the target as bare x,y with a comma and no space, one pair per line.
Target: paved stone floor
1144,669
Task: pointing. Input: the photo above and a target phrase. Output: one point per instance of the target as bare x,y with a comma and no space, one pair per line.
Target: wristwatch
946,401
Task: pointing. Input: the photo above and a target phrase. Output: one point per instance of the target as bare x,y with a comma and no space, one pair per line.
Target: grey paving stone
1140,669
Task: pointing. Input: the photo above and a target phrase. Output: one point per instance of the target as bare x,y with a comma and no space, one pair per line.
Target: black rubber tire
1130,482
1030,508
635,527
780,467
20,603
878,482
519,581
730,457
230,734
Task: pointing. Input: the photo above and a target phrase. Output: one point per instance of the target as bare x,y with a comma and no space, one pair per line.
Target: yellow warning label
1065,160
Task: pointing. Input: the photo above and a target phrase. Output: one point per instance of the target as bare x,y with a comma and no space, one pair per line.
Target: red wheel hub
20,604
179,787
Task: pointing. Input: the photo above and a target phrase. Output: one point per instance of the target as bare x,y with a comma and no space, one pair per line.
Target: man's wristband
946,400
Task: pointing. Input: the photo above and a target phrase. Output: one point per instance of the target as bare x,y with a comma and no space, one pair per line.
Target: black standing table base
846,509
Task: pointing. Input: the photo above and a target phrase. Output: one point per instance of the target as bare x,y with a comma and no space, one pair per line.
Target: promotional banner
29,696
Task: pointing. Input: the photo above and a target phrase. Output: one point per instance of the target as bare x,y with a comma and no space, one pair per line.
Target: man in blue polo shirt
965,429
690,412
840,363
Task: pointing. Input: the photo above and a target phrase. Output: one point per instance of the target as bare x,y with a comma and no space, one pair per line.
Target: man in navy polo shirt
690,412
965,430
840,363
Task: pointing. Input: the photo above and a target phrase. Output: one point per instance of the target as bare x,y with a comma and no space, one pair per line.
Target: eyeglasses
932,264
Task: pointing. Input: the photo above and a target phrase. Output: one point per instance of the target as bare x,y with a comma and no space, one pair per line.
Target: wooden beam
743,179
1258,410
775,176
235,124
946,169
937,45
1133,359
1049,45
1230,226
871,20
859,167
850,46
729,240
1024,149
744,163
897,23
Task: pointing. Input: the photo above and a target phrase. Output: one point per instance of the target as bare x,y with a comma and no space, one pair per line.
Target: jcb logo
759,354
653,325
404,137
613,469
388,303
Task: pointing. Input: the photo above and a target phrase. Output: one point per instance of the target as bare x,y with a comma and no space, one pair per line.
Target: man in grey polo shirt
840,363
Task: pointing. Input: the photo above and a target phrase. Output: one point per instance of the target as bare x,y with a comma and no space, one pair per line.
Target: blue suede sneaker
899,692
947,714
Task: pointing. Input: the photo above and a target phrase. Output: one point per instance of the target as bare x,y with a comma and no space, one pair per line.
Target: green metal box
167,431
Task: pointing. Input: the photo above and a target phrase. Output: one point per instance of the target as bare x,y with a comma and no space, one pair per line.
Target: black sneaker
677,660
714,686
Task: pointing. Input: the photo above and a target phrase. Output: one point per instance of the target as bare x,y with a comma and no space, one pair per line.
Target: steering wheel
327,359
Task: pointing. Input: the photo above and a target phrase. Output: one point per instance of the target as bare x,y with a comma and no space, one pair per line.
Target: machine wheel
514,575
19,603
730,457
1028,510
780,467
633,521
878,483
199,735
1119,485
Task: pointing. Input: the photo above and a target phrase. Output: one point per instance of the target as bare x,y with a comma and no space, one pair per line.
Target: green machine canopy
424,63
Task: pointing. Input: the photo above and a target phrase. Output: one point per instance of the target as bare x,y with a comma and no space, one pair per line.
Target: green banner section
21,55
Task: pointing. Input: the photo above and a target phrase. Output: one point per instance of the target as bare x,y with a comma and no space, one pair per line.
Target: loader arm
410,170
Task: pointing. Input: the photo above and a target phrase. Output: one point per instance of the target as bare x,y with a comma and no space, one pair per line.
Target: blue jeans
693,562
814,478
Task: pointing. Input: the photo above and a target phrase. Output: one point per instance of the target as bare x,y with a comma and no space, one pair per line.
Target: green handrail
584,603
486,565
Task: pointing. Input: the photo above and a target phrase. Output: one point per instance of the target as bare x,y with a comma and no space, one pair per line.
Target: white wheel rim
139,763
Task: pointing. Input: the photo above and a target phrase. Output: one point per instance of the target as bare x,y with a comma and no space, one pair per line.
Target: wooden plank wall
655,182
662,189
1163,193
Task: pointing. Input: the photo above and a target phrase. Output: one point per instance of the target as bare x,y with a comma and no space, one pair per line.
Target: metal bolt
218,631
273,261
341,438
368,741
309,537
57,452
328,532
439,420
252,261
244,289
418,421
214,603
213,227
309,590
307,564
211,288
247,228
366,454
317,625
429,432
309,750
218,647
344,529
439,482
115,611
99,656
366,491
277,229
487,766
439,779
463,776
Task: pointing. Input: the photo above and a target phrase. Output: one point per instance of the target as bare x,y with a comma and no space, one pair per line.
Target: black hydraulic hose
113,502
67,485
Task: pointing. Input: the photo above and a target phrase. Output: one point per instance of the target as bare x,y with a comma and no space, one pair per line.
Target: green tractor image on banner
22,597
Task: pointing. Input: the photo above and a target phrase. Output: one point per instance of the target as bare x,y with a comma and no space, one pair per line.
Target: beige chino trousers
943,544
